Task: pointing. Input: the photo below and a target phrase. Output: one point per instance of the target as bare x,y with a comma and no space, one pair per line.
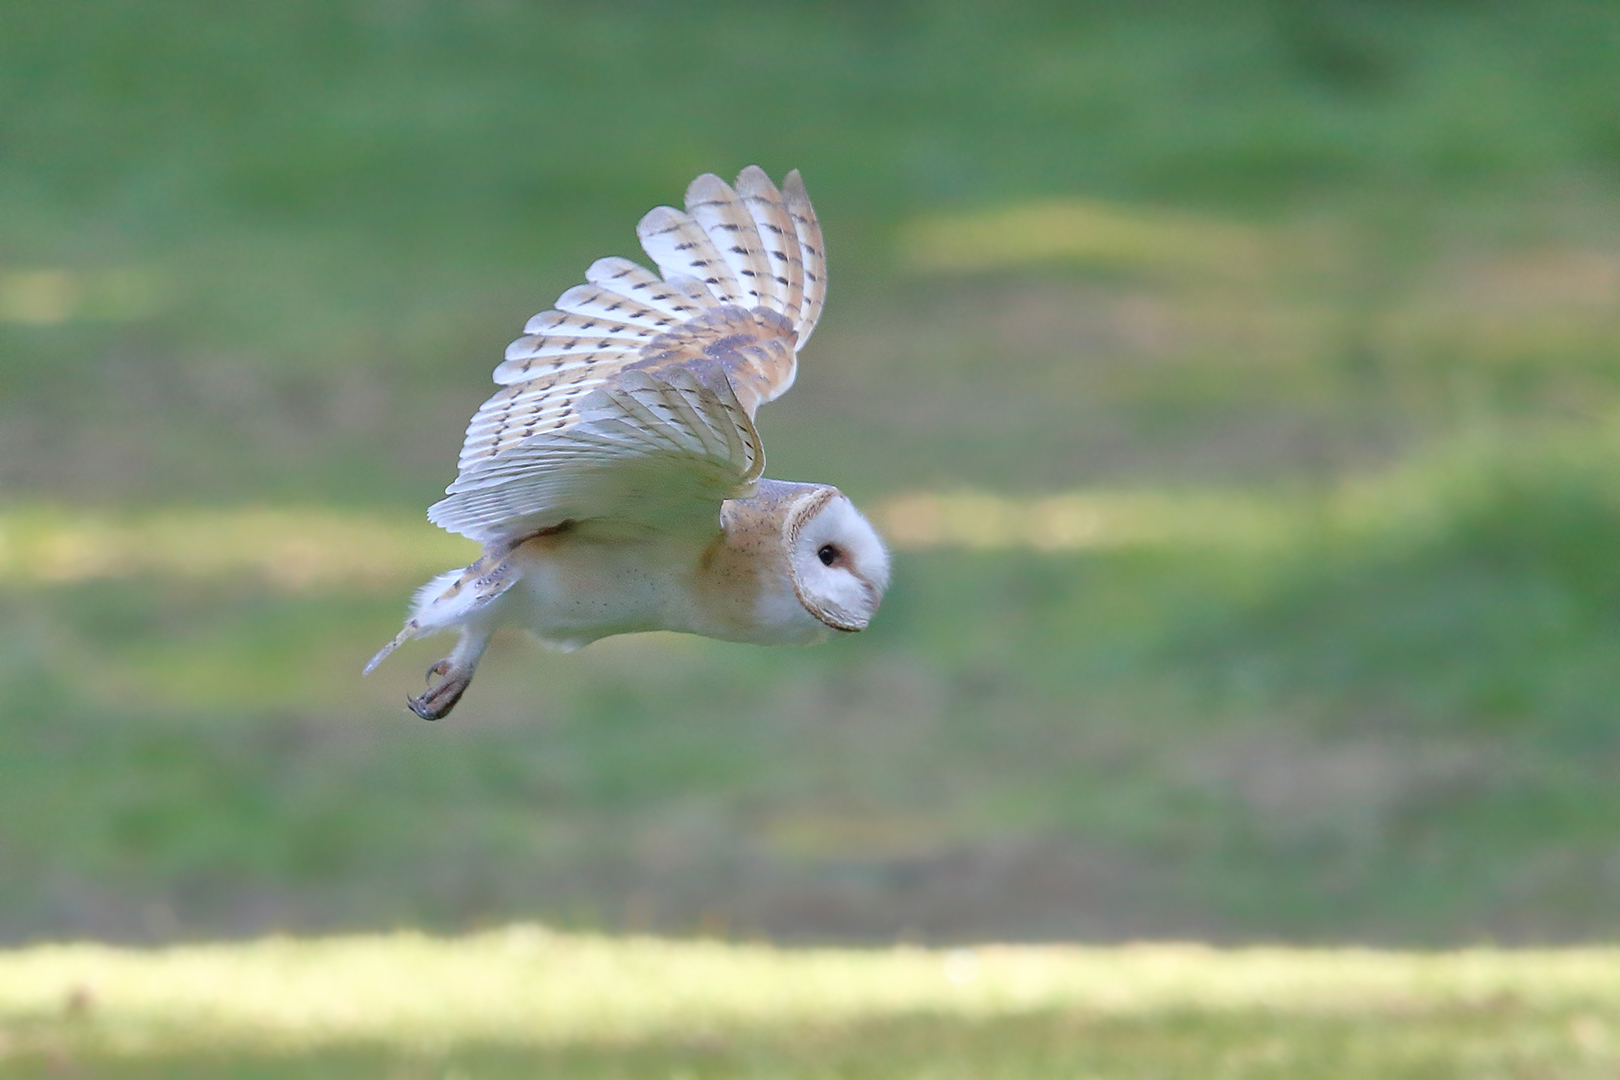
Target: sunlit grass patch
1084,520
47,296
533,995
293,548
289,547
1087,233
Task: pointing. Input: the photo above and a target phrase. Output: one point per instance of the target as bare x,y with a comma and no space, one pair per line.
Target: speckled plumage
616,477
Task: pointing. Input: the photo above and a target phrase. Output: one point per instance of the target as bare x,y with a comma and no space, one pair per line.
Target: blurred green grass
1355,260
338,214
1388,716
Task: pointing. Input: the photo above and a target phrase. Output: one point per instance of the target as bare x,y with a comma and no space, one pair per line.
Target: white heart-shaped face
840,566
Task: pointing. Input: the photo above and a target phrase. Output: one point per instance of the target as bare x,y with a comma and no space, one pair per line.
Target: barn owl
616,478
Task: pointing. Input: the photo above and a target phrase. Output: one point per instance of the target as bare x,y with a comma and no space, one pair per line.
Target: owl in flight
615,479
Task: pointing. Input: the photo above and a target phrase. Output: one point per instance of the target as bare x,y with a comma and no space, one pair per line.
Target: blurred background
1237,382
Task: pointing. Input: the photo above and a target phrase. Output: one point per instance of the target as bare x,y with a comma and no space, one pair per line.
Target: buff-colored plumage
616,477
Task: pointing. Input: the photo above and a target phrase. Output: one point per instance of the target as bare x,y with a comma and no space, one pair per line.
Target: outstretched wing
651,448
634,398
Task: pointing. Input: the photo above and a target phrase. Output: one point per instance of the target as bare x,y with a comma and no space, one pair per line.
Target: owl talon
438,699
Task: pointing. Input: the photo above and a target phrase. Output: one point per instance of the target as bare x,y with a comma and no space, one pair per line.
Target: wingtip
660,219
707,188
754,178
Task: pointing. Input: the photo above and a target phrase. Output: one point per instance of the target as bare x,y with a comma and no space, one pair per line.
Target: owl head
838,564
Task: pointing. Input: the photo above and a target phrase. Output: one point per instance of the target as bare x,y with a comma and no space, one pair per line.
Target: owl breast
592,582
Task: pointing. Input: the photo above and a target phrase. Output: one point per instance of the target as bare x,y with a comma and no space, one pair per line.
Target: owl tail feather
412,629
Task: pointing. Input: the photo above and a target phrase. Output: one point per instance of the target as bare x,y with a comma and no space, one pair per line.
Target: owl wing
634,399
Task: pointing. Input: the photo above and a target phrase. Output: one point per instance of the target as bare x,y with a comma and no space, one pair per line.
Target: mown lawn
525,1001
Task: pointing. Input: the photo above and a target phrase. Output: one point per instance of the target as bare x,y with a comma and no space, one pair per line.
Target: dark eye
828,554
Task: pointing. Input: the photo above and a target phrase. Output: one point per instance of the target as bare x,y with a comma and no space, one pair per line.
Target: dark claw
419,706
435,702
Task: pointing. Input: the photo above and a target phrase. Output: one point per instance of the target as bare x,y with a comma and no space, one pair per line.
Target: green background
1358,261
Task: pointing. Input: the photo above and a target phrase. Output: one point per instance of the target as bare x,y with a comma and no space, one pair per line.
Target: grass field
1238,382
525,1001
1386,714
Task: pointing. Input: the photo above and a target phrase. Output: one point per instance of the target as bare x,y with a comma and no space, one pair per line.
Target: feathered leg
459,599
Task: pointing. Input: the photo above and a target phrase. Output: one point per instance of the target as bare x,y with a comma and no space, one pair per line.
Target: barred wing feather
634,397
656,449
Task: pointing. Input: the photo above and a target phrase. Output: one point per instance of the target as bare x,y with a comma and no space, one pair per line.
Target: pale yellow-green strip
286,548
316,547
528,985
1085,231
44,296
1080,520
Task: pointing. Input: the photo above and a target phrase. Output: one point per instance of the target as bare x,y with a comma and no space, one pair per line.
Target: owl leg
462,599
454,672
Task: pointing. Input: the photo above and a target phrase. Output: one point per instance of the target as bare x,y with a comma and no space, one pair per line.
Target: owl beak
842,626
842,619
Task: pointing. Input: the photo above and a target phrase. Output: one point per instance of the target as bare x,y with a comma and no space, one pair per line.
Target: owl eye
828,554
